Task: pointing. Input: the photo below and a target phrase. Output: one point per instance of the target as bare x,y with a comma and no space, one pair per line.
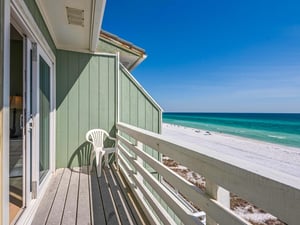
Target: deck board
96,198
70,211
47,201
76,196
83,210
122,208
56,213
108,203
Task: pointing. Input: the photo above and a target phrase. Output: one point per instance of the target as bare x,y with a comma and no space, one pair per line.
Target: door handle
30,124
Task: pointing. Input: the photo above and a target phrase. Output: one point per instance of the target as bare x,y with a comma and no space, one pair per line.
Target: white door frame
19,13
4,196
28,124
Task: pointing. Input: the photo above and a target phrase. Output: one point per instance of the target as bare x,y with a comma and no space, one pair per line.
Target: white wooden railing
277,193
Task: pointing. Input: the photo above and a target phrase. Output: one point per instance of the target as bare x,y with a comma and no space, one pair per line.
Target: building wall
85,100
36,14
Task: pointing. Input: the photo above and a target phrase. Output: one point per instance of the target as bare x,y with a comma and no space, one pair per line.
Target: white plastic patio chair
97,137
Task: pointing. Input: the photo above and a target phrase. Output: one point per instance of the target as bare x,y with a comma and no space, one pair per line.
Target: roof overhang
130,55
73,24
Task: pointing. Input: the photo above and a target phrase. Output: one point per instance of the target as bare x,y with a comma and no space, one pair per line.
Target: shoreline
282,158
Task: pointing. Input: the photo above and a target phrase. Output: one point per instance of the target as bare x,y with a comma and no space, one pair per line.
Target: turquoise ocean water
279,128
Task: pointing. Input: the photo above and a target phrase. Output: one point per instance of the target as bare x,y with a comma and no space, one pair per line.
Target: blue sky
214,56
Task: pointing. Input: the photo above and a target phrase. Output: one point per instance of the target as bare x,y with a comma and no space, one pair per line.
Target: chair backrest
96,137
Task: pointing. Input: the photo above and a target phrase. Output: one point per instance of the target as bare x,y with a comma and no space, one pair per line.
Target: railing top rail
189,149
271,190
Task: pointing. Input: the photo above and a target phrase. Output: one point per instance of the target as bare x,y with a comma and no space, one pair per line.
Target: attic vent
75,16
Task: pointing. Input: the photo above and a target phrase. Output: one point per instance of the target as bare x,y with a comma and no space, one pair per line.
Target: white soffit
72,23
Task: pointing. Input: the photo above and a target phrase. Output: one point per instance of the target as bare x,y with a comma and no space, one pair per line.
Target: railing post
218,193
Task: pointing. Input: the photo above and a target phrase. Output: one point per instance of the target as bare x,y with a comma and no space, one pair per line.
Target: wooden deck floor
76,197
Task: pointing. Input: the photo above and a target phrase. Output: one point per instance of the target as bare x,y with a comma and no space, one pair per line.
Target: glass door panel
16,154
44,93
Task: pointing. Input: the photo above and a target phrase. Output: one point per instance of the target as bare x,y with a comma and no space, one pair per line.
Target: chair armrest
87,137
112,138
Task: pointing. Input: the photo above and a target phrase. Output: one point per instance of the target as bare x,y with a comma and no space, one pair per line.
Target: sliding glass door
44,103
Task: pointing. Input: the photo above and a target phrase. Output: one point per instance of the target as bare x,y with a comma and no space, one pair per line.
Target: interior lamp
16,102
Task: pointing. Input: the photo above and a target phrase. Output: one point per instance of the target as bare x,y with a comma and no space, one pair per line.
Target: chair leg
98,164
106,159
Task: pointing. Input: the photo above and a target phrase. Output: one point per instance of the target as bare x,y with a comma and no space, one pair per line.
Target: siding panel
84,82
62,110
135,107
103,93
73,106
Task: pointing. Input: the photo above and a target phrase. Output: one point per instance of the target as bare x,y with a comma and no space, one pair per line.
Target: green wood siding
136,108
85,99
36,14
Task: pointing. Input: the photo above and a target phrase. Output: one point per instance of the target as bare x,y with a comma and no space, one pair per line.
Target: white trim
53,120
138,62
24,84
5,115
140,87
96,23
28,141
35,132
23,16
118,88
46,19
65,48
97,11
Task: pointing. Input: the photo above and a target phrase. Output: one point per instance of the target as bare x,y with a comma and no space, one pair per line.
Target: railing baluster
139,145
218,193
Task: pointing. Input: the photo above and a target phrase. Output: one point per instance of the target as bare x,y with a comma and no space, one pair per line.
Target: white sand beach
278,157
281,158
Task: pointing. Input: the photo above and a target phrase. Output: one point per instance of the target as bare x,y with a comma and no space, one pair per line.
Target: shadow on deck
75,196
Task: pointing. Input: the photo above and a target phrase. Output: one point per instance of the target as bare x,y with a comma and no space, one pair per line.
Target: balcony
140,189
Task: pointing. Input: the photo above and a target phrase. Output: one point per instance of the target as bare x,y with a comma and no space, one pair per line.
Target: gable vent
75,16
